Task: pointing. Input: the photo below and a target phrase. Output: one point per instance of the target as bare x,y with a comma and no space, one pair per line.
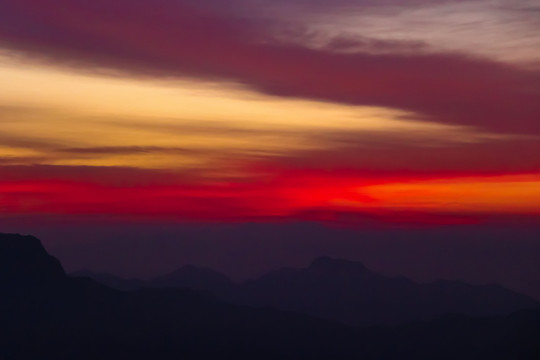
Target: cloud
125,150
105,175
314,5
512,156
309,195
18,160
174,38
415,148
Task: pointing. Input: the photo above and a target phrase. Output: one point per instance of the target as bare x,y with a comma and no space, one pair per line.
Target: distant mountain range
45,314
341,290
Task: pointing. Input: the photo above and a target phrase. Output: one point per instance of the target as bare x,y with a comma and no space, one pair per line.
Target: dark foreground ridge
45,314
342,290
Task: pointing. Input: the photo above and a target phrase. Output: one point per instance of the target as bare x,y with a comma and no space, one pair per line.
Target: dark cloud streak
124,150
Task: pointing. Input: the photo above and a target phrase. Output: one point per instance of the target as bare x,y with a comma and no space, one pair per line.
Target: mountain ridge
79,318
349,292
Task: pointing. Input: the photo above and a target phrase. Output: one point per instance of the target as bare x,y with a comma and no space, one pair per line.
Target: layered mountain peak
195,278
331,266
190,270
26,262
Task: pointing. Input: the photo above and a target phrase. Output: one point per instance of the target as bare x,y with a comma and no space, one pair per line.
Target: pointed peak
192,274
23,259
327,264
193,270
21,243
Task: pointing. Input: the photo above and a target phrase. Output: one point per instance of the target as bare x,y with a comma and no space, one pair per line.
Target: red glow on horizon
301,196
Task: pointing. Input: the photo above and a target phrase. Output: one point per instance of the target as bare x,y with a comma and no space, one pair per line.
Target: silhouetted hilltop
23,260
195,278
113,281
79,318
47,315
348,292
340,267
188,276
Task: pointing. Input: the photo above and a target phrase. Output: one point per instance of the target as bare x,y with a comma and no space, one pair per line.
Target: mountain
349,292
345,291
113,281
37,268
195,278
188,276
45,314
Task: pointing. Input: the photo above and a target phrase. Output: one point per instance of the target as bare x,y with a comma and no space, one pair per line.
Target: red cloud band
289,195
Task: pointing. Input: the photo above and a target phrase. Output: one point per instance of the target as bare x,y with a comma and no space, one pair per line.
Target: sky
356,114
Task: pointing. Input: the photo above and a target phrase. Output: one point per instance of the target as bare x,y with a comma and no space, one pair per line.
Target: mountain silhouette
347,291
344,291
113,281
195,278
45,314
188,276
38,267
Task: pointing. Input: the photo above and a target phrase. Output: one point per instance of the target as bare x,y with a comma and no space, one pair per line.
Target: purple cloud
175,38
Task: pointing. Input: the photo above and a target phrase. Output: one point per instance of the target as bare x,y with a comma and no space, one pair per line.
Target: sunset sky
135,120
402,111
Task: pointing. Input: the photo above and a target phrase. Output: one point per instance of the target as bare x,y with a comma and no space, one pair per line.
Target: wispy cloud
174,38
108,150
242,109
198,146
